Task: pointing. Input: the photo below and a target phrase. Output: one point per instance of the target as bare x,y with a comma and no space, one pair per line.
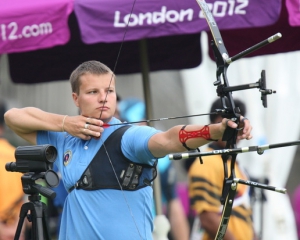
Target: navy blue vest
100,175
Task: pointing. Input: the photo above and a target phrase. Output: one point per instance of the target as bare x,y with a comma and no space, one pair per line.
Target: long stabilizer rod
259,149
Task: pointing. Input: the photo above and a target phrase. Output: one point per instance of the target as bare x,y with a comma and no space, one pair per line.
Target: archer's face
97,96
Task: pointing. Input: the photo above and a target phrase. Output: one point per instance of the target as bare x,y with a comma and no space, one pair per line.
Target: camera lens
50,153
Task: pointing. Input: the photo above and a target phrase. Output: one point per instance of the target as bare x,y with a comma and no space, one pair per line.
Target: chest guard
100,175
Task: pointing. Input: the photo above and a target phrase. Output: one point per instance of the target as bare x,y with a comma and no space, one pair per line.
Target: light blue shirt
106,214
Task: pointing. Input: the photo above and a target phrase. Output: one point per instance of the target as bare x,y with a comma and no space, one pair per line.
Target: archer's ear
75,99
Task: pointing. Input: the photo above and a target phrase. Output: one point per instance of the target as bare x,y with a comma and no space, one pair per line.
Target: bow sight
261,84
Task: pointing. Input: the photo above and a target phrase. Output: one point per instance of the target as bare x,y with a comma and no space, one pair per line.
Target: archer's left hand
244,128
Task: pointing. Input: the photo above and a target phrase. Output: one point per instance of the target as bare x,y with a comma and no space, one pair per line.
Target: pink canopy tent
46,40
33,24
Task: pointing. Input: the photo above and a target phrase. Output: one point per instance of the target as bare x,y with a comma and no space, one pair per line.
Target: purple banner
293,7
106,20
33,24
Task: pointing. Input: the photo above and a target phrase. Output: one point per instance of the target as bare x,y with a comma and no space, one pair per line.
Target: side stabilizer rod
253,48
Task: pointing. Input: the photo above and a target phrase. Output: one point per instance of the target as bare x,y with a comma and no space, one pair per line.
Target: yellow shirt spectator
11,192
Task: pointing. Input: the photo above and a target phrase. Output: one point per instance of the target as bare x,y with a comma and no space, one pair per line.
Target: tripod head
30,186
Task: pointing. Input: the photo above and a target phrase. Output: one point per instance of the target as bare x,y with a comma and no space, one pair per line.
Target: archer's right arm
25,122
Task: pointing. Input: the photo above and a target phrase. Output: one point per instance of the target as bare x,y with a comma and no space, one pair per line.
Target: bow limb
230,135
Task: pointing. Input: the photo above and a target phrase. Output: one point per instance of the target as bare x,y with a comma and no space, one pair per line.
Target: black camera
39,158
36,162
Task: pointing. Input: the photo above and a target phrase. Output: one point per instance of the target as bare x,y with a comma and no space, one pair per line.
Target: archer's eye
92,92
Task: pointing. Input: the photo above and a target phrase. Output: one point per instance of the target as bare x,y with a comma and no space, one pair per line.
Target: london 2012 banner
106,22
34,24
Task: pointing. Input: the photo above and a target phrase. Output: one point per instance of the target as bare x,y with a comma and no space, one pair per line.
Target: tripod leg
36,216
45,221
23,213
39,222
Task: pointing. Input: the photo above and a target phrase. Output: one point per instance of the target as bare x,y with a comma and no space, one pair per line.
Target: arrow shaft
160,119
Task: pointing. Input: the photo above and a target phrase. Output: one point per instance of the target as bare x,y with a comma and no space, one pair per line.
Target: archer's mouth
103,108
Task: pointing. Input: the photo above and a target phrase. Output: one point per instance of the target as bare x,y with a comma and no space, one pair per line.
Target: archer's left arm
181,138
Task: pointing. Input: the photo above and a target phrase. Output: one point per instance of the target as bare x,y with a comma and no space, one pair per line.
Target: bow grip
228,134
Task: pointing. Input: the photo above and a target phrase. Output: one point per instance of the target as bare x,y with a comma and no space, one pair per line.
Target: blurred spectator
171,203
132,110
205,191
11,191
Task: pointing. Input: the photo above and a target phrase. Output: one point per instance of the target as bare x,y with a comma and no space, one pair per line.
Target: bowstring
103,144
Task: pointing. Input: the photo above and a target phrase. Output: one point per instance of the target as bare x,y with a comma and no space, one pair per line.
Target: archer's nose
102,97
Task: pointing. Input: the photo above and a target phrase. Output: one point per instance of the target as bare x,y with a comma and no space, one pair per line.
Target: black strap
99,175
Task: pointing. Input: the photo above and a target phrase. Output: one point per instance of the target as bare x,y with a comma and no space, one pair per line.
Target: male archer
109,170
